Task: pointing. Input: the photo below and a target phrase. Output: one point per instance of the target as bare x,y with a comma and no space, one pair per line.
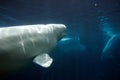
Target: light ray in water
8,17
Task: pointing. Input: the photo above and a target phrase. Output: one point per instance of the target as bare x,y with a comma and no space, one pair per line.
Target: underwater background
87,52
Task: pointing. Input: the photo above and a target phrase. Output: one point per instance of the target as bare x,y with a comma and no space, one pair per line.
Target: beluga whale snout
60,30
21,43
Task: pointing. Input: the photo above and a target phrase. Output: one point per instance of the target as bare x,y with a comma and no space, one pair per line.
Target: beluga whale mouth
21,43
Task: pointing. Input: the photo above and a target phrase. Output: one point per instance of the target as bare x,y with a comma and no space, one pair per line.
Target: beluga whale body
18,44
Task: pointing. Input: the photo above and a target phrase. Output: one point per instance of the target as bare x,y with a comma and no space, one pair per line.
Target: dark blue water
90,23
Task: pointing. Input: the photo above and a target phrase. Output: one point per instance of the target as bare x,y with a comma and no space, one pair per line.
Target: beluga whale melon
18,44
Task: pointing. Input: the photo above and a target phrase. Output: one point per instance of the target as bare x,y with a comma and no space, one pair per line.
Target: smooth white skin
19,43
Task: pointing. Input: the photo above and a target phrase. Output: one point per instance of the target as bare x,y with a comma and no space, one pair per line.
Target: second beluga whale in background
21,43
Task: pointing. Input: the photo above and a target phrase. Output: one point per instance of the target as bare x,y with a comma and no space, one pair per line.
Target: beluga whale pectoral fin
43,60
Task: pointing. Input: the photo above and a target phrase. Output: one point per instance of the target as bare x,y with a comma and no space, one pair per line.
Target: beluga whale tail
18,44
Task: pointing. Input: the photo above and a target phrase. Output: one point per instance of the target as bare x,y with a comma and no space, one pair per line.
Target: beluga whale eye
38,41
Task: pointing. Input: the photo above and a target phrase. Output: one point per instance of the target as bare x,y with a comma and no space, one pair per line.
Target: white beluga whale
71,40
111,48
107,53
21,43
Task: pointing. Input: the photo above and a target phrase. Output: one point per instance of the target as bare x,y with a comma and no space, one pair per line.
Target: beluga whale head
19,44
59,30
54,33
